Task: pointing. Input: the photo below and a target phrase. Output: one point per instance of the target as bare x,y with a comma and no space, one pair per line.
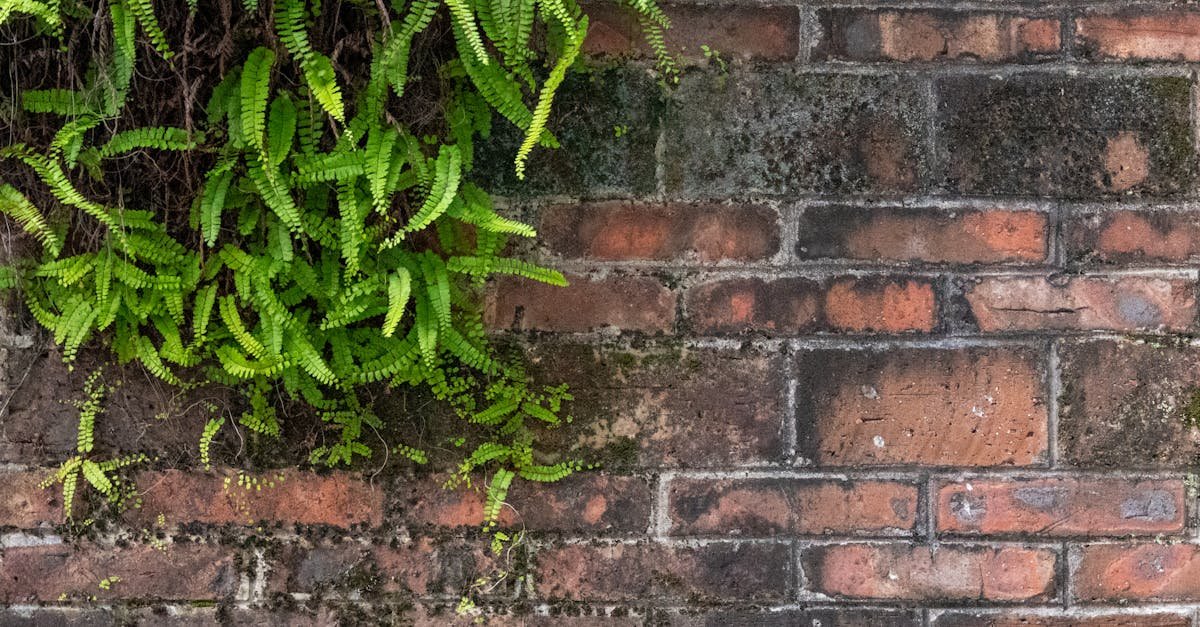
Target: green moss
1191,411
619,455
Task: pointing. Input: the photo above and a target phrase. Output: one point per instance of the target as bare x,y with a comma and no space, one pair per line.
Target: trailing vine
335,241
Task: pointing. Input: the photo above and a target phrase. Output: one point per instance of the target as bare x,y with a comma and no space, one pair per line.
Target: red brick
1137,572
422,566
667,407
745,572
1082,303
1061,507
799,305
339,499
743,33
931,35
760,507
1153,36
586,502
1011,618
1134,236
629,303
948,572
866,305
620,230
937,407
922,235
178,572
25,505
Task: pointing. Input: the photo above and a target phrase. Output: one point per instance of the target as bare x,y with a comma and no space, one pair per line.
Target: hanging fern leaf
144,12
256,80
541,113
399,289
466,29
156,137
14,205
322,81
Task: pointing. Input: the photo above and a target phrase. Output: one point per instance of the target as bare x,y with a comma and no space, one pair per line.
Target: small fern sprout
102,476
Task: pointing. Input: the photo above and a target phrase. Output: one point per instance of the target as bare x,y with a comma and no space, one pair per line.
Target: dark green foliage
331,245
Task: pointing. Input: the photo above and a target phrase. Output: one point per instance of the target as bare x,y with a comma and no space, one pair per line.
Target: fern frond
15,205
143,10
541,112
281,130
156,137
322,82
496,493
464,19
206,439
64,102
255,84
399,289
482,267
381,144
447,175
45,12
337,166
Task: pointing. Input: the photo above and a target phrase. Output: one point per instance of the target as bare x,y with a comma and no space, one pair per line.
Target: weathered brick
1126,404
621,230
914,572
744,33
588,502
26,505
939,407
1061,507
774,617
778,131
1024,303
1013,618
932,35
894,234
340,499
745,572
594,158
667,407
1066,136
1126,237
800,305
760,507
180,572
625,302
1160,35
1136,572
421,566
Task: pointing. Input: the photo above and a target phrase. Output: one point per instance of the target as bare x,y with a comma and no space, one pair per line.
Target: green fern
324,255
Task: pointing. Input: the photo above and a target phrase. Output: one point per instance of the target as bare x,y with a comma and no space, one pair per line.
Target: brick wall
889,322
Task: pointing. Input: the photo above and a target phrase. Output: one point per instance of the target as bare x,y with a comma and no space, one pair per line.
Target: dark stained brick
1141,236
777,131
659,406
710,572
1074,137
919,235
594,158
